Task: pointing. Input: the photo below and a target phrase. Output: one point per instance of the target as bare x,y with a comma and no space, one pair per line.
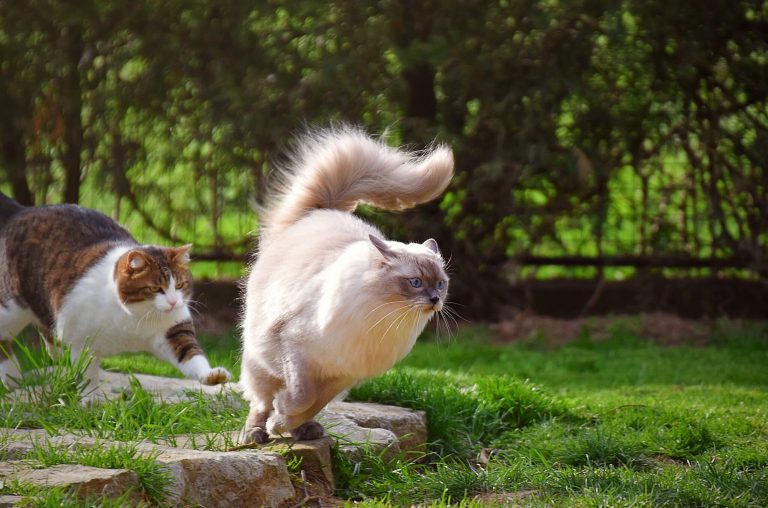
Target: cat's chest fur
91,313
355,332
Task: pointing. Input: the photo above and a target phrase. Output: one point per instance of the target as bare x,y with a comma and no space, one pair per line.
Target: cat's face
154,279
414,273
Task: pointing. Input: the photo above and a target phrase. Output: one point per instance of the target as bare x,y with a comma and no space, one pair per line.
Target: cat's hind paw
216,376
254,435
308,431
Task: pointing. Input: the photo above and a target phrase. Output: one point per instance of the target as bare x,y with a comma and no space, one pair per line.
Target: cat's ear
382,247
180,255
431,244
136,262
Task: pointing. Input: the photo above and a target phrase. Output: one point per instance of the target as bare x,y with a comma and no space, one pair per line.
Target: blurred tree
589,127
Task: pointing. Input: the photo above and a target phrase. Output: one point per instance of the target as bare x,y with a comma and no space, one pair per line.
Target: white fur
13,319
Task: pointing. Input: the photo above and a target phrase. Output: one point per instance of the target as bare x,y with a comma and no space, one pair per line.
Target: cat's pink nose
172,302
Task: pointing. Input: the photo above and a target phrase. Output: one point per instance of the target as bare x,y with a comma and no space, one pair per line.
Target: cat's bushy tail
340,168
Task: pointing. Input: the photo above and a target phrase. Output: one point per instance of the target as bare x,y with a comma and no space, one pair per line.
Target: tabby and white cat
329,300
82,278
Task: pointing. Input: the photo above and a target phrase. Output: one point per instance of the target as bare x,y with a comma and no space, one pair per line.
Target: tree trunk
71,106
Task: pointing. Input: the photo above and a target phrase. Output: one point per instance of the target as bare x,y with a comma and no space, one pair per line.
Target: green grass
51,399
616,422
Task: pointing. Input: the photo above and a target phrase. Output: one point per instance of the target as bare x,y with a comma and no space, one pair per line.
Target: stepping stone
113,384
84,480
8,501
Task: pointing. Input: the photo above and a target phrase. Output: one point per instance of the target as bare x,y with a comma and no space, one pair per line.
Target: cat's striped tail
339,168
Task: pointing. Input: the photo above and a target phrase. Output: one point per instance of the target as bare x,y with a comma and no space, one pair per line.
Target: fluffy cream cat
329,300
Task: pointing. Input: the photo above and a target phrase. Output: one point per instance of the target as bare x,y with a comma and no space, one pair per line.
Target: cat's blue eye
415,282
441,285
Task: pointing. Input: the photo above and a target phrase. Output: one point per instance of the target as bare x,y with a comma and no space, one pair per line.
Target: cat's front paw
216,376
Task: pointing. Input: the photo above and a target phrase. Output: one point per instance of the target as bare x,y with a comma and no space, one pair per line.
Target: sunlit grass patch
462,411
617,422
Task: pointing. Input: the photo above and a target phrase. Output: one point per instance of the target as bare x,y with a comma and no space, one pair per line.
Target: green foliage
582,127
56,379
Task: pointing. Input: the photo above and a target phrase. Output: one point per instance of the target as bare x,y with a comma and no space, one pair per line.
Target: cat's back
75,225
313,242
46,249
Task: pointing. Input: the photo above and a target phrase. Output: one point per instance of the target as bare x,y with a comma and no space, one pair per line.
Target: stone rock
223,479
13,450
85,480
7,501
409,426
315,456
354,439
112,384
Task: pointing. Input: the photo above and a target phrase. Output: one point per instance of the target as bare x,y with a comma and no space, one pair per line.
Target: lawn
615,422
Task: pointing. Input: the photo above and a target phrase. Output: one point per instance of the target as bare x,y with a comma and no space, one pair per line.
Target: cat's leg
13,319
301,424
259,389
297,395
179,347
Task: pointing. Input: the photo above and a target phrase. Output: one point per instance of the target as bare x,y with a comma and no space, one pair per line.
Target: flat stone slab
84,480
224,479
393,428
8,501
113,384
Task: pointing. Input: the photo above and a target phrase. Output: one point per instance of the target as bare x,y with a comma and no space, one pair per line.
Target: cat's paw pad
254,435
308,431
216,376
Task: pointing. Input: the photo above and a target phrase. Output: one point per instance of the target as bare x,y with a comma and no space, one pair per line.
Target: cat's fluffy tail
340,168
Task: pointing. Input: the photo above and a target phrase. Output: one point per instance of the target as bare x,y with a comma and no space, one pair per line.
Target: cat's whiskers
194,306
382,305
447,265
372,327
445,316
448,313
399,319
437,325
148,318
454,314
